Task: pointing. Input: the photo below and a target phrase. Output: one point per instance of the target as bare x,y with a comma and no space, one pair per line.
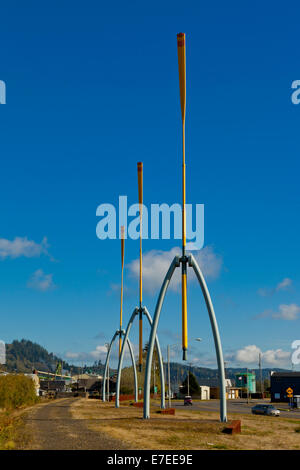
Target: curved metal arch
160,360
193,263
106,366
160,363
118,333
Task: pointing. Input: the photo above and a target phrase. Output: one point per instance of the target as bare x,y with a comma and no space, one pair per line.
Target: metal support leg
175,263
223,411
125,340
136,396
106,366
160,363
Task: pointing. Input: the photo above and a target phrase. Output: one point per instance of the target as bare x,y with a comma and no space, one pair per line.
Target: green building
246,380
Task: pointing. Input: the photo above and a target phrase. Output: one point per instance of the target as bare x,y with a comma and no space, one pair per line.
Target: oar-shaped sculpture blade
182,87
122,277
140,186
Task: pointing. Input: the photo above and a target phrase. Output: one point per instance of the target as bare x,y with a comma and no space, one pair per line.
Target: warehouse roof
285,374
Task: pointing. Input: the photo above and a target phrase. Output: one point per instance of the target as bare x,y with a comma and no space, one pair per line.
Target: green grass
220,446
10,431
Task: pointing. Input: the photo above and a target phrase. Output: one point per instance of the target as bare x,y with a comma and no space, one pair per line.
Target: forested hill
24,356
206,376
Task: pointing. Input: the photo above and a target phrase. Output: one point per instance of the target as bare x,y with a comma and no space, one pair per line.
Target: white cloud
287,312
286,282
22,247
99,352
277,357
92,356
283,285
270,358
247,354
210,263
156,264
41,281
71,355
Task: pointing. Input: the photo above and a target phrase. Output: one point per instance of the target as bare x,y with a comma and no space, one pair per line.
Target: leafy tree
194,388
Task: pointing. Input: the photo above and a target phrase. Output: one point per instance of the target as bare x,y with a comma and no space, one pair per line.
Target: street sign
289,391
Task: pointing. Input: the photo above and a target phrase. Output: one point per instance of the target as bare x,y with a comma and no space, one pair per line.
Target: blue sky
91,90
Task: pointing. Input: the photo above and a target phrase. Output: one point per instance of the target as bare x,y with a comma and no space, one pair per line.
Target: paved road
238,406
52,427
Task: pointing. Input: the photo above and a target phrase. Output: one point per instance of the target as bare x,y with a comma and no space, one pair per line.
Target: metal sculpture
140,312
120,333
184,261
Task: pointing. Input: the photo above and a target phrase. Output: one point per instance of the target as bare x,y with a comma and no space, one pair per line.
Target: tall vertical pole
169,377
247,386
182,87
108,381
122,280
260,375
154,393
106,368
140,186
108,347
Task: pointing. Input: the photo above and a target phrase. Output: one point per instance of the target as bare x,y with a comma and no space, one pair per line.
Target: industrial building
54,385
280,382
231,392
246,380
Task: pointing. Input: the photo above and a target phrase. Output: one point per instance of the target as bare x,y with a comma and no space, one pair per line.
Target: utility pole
260,374
107,347
227,391
154,393
108,382
225,363
169,377
188,383
247,386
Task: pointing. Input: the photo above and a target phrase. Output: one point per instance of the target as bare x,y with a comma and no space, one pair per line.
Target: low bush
16,390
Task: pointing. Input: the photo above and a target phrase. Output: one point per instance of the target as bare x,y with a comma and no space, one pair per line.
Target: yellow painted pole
122,277
140,186
182,88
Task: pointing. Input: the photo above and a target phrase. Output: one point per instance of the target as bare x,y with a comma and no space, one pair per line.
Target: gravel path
52,427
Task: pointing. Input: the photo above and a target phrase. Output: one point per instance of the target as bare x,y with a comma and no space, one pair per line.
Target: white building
204,392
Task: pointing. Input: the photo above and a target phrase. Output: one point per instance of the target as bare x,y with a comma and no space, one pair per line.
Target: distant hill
206,376
24,356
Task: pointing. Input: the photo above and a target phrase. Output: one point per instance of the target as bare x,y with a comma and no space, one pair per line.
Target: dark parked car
188,400
263,409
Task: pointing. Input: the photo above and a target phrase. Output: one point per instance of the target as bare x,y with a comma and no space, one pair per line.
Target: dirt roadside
51,426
